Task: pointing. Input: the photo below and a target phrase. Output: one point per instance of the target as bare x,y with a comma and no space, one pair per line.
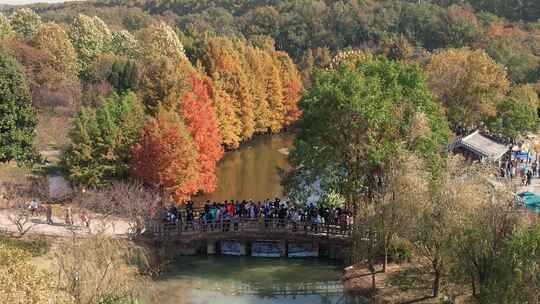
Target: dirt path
111,226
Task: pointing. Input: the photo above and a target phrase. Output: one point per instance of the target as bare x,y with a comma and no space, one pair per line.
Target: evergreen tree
101,140
124,75
17,117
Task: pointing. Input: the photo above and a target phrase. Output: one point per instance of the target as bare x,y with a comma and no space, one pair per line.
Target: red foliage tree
165,157
199,114
293,92
292,87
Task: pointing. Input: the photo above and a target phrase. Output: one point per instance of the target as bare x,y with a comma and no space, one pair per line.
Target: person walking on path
68,216
84,218
48,212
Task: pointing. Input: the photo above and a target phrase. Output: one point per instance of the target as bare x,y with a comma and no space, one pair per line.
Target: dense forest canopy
157,91
507,30
101,65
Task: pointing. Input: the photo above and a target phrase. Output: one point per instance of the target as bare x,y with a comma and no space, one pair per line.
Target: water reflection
251,172
246,280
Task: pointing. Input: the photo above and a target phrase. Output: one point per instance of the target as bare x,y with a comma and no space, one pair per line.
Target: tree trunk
473,285
385,263
373,282
436,283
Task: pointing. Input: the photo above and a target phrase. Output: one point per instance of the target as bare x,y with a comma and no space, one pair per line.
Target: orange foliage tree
260,86
292,88
222,64
199,114
165,156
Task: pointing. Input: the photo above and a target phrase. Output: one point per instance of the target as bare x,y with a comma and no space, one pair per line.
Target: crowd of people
524,168
268,210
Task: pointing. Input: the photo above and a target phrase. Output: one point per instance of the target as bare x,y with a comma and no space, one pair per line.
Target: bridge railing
247,225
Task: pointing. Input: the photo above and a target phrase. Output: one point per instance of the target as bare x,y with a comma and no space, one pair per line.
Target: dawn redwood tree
240,89
226,113
275,98
291,86
259,61
222,64
17,117
199,114
165,156
161,83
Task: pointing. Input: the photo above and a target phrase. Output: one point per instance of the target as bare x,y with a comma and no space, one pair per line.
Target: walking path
112,226
534,187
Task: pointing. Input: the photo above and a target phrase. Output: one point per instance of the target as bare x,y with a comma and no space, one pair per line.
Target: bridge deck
246,228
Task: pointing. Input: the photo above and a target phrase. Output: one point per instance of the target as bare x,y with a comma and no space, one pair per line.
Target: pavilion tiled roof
483,146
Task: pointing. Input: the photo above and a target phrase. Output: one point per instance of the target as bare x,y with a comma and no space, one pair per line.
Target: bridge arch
246,236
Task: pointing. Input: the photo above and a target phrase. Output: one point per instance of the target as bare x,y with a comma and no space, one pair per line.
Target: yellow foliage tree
468,83
23,283
52,38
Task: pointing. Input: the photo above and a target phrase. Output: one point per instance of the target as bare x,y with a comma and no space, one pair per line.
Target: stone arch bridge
254,237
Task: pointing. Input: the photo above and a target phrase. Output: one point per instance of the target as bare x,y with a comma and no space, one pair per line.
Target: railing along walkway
248,226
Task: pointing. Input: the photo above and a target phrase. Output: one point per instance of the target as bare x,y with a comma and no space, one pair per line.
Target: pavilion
478,147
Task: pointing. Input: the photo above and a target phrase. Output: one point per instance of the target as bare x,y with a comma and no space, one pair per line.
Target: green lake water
251,172
249,280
